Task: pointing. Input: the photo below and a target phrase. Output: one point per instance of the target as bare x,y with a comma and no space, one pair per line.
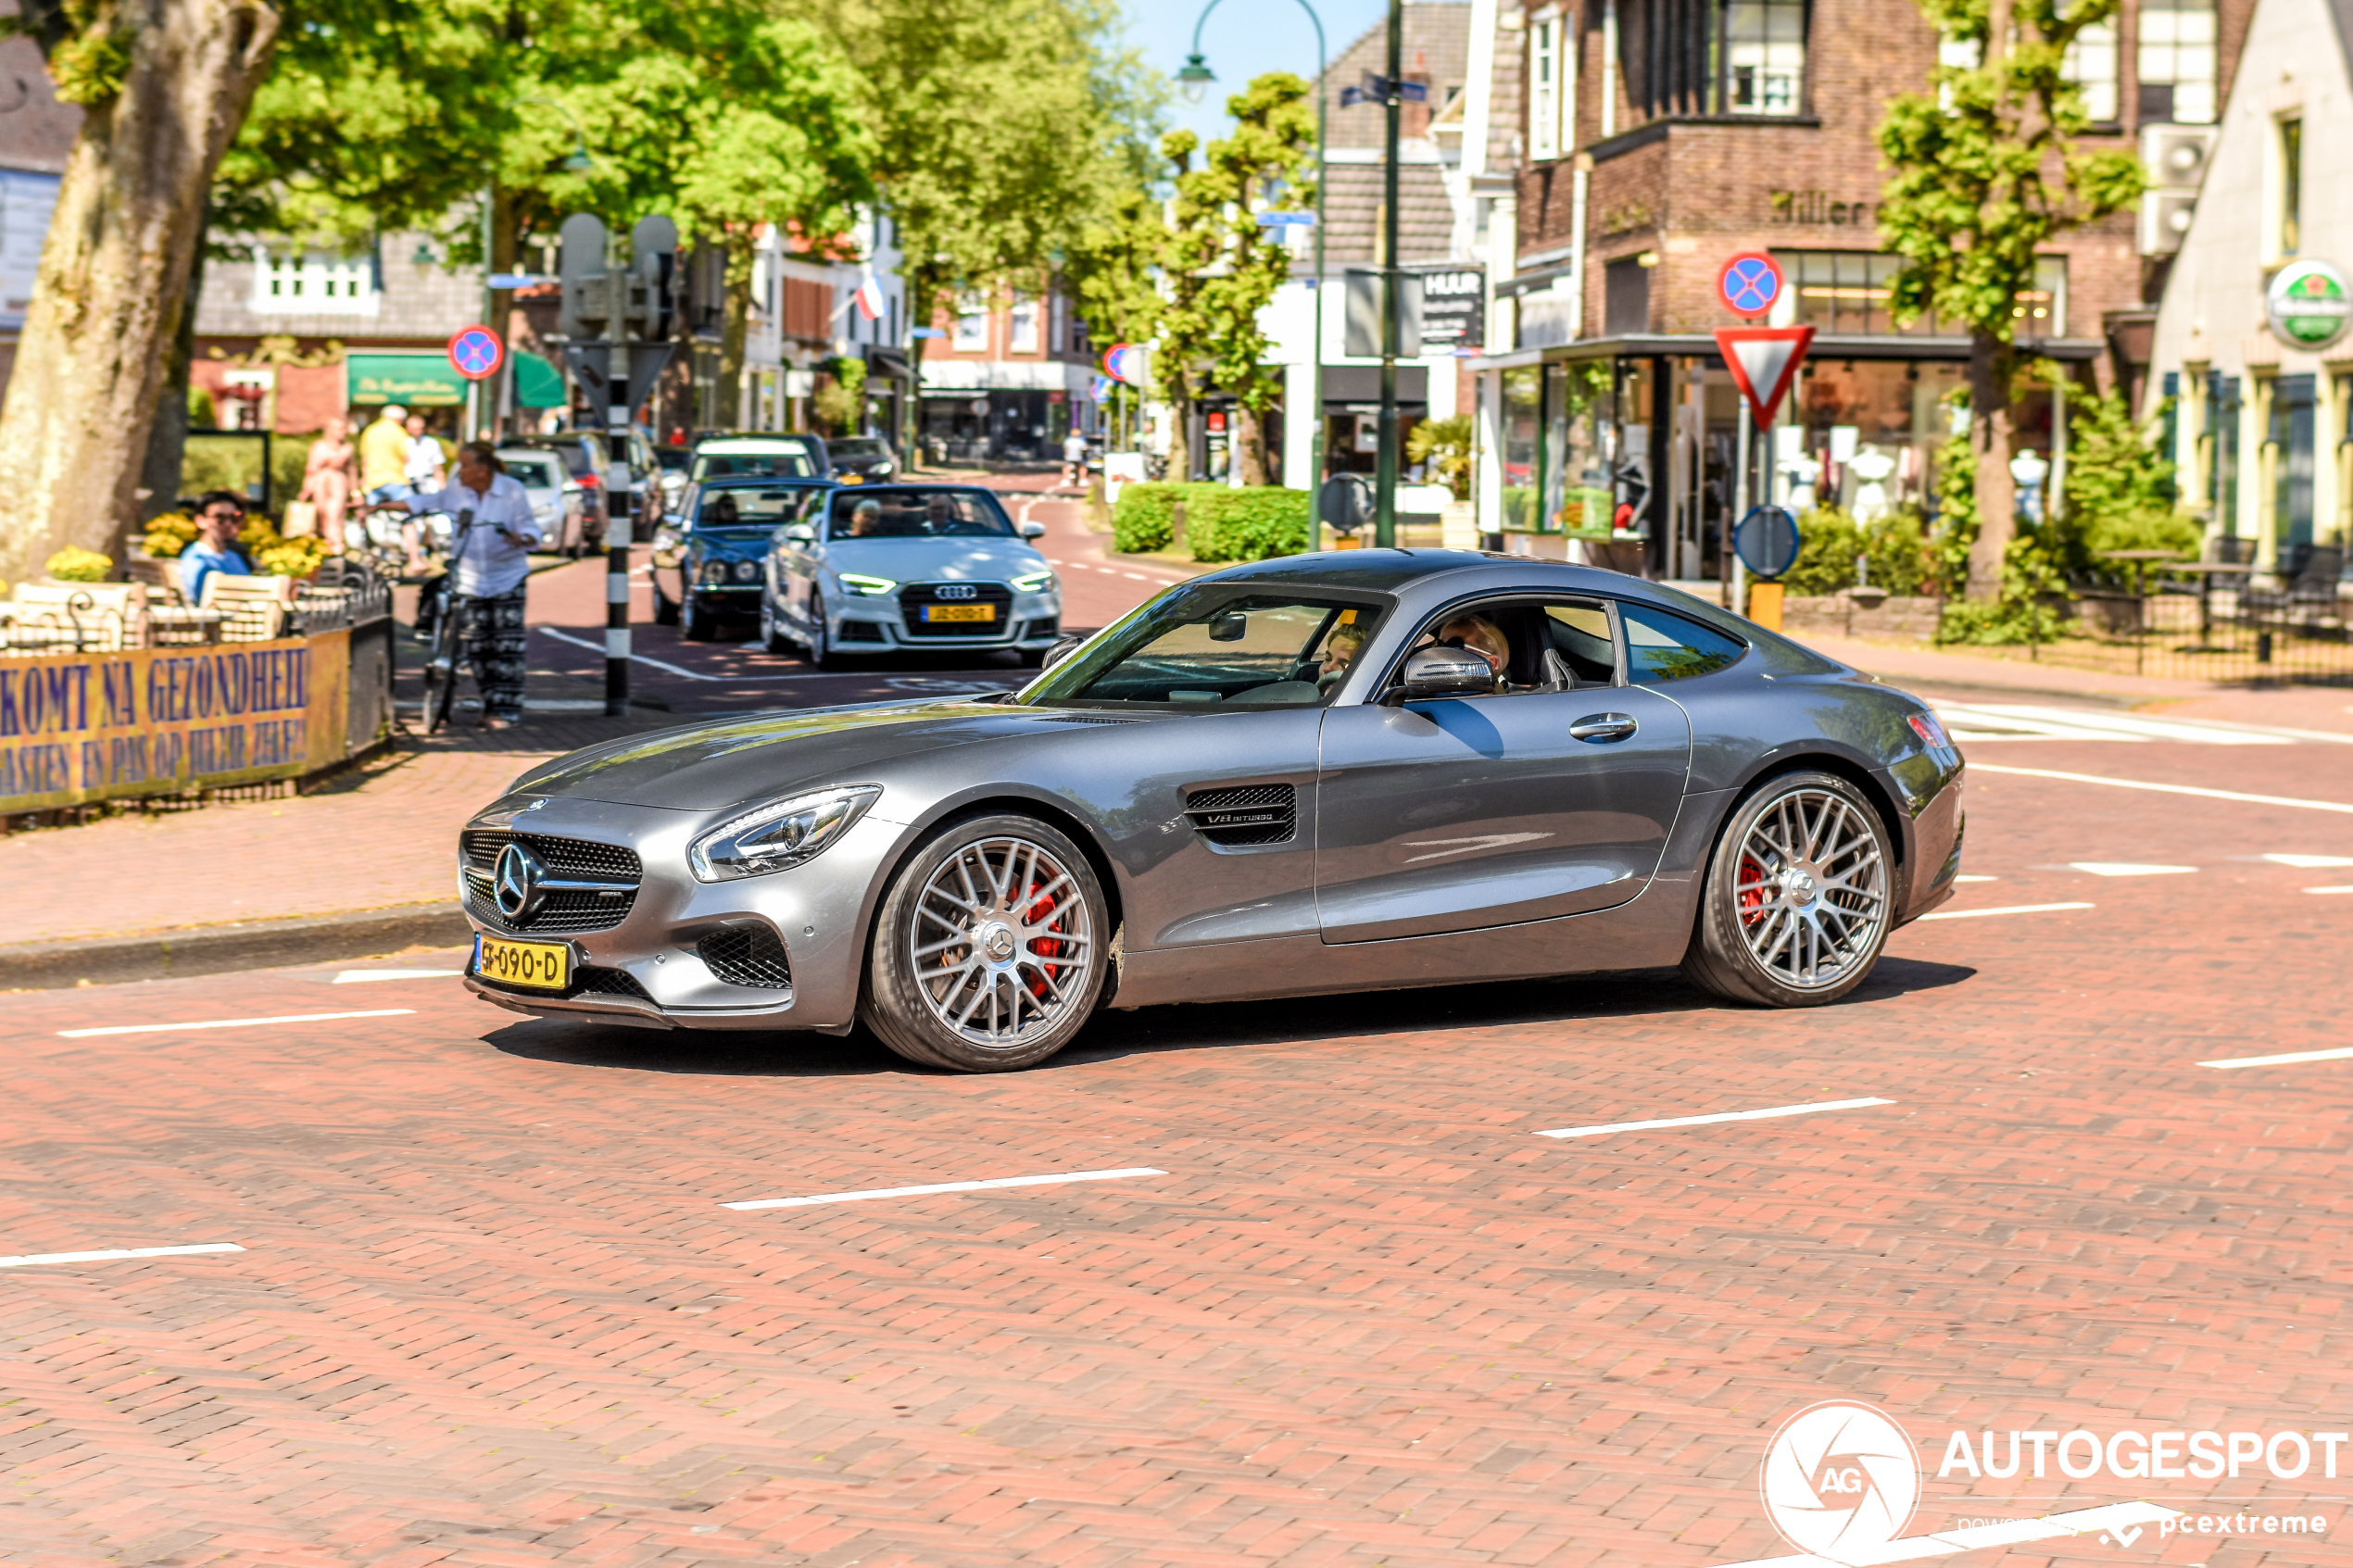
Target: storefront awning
538,384
424,379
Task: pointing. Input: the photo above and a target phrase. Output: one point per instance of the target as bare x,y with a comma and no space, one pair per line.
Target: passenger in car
865,520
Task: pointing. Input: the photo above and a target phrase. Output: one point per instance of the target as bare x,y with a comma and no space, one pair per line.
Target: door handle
1602,727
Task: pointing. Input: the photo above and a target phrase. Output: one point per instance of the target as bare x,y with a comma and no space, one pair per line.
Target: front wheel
771,636
989,952
696,623
1799,895
820,642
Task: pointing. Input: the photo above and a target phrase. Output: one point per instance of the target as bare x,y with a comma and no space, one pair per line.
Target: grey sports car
1325,773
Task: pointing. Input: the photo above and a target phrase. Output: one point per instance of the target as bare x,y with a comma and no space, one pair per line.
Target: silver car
557,503
881,567
1321,773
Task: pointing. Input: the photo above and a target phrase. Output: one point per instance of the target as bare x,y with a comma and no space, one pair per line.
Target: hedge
1144,518
1223,524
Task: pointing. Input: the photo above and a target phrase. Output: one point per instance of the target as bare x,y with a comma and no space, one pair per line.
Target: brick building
1661,137
1005,376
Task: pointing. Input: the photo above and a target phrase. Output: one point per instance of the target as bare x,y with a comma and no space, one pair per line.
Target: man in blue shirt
219,516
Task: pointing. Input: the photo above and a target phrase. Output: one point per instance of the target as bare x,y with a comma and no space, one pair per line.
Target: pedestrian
1074,459
384,454
328,479
489,577
424,464
221,516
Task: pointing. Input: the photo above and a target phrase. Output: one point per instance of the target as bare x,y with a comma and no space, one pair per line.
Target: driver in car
865,520
1481,636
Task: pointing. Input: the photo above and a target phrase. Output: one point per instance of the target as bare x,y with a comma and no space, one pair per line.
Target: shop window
1763,56
1848,292
1521,414
1023,323
300,285
2091,64
2177,59
971,325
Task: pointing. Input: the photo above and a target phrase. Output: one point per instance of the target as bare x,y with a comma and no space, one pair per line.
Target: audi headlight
747,570
714,572
779,834
869,587
1035,583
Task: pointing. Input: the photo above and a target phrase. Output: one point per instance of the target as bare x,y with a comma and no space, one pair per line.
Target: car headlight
870,587
714,572
779,834
1035,583
747,570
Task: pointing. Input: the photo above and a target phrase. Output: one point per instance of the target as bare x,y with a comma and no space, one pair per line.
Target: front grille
1045,628
914,595
560,911
1250,814
750,955
590,981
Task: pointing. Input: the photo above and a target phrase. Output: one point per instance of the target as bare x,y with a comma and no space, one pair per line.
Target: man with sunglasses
221,516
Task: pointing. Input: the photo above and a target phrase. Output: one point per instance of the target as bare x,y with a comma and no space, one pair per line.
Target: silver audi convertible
1326,773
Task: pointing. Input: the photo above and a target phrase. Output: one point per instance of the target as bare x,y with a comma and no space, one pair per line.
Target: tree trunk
114,272
733,332
1996,492
167,440
1249,443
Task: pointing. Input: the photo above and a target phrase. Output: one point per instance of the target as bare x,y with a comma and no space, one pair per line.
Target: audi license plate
959,612
542,966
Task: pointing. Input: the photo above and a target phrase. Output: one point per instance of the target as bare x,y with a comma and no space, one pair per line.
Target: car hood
950,561
724,763
730,544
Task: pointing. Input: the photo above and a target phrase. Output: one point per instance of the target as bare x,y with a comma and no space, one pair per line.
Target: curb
216,949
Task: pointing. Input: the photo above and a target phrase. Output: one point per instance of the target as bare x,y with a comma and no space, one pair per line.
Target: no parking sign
477,353
1750,284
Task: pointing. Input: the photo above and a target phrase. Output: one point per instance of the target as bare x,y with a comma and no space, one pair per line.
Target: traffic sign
1762,361
1750,284
1766,541
1125,362
477,353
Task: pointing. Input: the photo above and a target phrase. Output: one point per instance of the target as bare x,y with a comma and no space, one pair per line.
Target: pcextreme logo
1840,1477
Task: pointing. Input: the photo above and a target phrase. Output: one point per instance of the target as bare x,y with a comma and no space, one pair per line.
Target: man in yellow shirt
384,456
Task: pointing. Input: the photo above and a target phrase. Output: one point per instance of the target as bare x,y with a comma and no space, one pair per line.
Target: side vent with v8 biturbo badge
1253,814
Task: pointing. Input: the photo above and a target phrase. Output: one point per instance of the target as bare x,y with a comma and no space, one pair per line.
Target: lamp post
1385,472
1193,81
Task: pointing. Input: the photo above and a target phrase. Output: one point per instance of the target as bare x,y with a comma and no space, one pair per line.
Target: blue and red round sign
477,353
1750,284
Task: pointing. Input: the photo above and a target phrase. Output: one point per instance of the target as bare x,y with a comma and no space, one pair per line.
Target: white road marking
230,1023
354,976
109,1255
817,1198
2128,867
2311,862
2281,1060
2125,1519
2338,806
1137,575
679,671
2338,889
1977,879
2071,723
1595,1132
2006,910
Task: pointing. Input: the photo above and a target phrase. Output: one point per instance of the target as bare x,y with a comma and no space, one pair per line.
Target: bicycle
441,669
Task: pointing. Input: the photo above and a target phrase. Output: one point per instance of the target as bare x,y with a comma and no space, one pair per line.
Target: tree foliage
1986,171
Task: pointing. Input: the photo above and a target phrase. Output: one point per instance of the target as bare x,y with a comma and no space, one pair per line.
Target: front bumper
651,967
1032,621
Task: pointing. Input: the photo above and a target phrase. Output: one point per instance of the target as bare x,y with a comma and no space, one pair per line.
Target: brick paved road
491,1313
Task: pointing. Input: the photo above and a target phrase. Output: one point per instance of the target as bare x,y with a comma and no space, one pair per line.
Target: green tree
1985,171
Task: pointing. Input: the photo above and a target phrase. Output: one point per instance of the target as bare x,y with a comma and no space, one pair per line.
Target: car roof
781,441
767,481
1393,571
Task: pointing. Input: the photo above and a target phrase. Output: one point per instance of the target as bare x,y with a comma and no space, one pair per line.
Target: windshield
1199,646
782,462
857,446
917,514
534,470
748,506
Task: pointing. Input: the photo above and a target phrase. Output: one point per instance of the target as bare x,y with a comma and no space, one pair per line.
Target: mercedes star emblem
514,883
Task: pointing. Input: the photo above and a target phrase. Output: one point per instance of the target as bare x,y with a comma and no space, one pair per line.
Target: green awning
538,384
425,379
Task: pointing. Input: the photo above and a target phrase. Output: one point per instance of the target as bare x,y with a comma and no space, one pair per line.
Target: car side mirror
1436,673
1033,531
1064,648
801,533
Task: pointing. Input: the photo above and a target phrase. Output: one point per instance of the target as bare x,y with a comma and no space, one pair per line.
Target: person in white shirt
1074,459
424,462
489,575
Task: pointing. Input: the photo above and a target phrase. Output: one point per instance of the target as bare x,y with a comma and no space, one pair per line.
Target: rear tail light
590,481
1931,731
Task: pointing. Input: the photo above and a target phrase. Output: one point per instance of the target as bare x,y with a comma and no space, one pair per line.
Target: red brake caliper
1046,948
1750,891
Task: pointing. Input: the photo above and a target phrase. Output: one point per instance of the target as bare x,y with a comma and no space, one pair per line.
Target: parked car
886,567
1318,773
765,455
723,532
858,458
671,465
557,502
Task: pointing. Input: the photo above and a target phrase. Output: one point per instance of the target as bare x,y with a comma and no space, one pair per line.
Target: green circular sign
2306,305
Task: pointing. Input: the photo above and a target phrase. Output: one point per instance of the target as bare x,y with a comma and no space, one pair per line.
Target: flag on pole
870,299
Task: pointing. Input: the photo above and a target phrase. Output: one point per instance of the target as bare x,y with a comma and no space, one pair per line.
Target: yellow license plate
542,966
959,612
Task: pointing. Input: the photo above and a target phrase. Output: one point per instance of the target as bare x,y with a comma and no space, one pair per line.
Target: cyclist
488,577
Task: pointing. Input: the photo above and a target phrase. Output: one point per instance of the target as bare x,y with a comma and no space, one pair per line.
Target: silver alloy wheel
1811,889
1000,941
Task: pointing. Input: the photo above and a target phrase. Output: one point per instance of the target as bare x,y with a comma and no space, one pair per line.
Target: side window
1534,645
1660,647
1580,639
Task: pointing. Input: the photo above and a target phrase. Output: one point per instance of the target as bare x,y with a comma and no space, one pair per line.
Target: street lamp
1193,81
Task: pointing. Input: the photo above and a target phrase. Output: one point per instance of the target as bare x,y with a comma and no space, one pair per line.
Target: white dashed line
1770,1111
354,976
2007,909
230,1023
2282,1060
32,1260
2128,867
2348,888
946,1186
2338,806
2311,862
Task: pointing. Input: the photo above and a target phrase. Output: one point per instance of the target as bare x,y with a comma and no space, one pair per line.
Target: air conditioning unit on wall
2165,218
2176,155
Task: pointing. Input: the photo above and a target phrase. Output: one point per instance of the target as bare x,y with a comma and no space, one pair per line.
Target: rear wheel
1799,894
988,953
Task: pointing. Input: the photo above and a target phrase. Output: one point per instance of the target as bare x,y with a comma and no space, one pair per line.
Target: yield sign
1762,361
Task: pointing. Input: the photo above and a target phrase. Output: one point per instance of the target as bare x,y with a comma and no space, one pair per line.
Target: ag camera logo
1840,1477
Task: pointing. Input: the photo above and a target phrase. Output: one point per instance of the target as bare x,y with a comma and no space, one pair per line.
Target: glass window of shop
1523,413
1862,435
1848,290
1583,445
2222,438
